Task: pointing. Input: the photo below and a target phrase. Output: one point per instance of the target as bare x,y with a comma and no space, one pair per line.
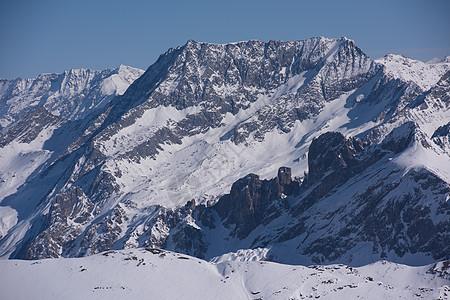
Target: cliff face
253,201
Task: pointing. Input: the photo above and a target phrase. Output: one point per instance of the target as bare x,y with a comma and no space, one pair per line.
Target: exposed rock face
443,131
69,210
28,129
399,138
252,201
286,185
442,136
400,225
332,152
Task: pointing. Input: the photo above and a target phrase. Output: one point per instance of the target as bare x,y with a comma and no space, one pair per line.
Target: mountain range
310,150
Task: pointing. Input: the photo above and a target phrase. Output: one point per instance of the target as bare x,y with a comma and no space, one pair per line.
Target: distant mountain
309,149
437,60
71,95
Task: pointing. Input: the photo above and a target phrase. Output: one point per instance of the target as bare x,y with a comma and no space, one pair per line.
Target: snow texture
157,274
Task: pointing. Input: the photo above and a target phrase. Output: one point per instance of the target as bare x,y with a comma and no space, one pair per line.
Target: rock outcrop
253,201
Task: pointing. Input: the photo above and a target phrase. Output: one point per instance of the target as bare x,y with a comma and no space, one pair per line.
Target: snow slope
157,274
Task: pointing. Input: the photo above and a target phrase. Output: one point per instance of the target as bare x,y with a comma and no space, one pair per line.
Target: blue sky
54,35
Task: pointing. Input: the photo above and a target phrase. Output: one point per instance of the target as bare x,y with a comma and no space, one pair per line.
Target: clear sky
44,36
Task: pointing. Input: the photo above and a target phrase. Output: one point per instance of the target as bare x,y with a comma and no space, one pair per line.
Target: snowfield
101,169
157,274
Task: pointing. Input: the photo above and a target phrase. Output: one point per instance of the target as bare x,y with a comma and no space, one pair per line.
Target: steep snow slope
157,274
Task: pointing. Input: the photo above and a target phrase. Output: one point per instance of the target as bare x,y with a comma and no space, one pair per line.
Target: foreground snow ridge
152,273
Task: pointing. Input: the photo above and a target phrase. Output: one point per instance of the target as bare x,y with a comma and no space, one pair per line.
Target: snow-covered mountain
309,149
71,95
157,274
